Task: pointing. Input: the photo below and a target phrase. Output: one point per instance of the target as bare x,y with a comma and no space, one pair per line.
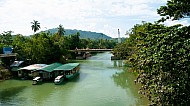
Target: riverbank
4,73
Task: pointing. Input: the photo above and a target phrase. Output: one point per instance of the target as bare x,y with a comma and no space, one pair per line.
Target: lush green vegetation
160,56
47,48
4,73
175,9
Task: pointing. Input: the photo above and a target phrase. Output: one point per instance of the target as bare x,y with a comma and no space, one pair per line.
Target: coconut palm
35,26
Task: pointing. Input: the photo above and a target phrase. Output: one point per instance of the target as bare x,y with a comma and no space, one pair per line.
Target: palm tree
60,31
35,25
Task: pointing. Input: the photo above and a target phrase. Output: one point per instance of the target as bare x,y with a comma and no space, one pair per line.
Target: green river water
101,82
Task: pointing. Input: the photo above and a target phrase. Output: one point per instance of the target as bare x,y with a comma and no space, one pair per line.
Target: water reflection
117,63
9,93
125,80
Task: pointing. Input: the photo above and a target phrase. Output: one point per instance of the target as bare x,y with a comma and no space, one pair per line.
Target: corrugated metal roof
68,66
16,63
33,67
50,67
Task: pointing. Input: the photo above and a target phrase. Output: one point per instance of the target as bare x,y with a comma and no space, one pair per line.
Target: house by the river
48,71
29,71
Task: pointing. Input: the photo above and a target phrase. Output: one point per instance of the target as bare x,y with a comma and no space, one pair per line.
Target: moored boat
37,80
69,70
59,79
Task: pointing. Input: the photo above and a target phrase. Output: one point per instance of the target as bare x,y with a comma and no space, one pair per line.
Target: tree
61,30
75,41
6,38
163,68
175,10
35,26
44,50
19,43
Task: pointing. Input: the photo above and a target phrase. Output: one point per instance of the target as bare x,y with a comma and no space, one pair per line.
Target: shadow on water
9,93
125,80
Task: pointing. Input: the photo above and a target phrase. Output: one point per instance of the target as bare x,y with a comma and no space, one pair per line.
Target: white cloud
92,15
171,23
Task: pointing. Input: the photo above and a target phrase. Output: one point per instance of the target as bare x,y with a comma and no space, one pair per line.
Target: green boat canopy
50,67
68,66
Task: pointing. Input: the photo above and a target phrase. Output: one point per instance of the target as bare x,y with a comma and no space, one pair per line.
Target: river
101,82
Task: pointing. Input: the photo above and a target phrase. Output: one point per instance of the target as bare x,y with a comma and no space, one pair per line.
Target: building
29,71
48,71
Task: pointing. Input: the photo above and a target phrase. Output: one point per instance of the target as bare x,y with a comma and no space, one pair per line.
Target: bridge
91,50
84,53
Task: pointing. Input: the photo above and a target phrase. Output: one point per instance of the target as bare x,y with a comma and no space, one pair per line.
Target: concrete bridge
91,50
84,53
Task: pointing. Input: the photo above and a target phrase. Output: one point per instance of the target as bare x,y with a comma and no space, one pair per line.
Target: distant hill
83,34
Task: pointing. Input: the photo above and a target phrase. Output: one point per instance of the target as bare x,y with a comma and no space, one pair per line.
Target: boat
69,70
37,80
59,79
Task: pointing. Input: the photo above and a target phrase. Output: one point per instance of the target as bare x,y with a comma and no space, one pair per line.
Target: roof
16,63
59,77
33,67
68,66
36,78
50,67
8,55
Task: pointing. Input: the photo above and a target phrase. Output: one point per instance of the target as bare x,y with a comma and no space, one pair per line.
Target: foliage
175,9
35,25
121,51
60,31
75,41
161,57
4,73
19,44
6,38
47,48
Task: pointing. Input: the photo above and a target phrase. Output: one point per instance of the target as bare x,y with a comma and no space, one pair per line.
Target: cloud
182,22
93,15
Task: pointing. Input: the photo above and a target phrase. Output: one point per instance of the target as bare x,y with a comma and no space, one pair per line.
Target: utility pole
119,39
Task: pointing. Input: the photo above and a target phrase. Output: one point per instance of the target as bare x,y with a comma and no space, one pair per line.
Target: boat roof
68,66
50,67
33,67
16,63
58,77
36,78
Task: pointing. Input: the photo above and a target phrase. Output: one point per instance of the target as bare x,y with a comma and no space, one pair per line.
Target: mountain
83,34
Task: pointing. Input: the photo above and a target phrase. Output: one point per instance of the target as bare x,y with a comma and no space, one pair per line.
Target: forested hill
83,34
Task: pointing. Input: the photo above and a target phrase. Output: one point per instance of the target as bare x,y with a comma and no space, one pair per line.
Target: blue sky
105,16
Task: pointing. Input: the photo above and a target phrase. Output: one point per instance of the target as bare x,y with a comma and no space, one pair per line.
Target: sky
102,16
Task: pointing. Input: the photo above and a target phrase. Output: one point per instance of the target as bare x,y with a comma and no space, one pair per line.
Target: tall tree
175,10
35,25
61,30
19,43
75,41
